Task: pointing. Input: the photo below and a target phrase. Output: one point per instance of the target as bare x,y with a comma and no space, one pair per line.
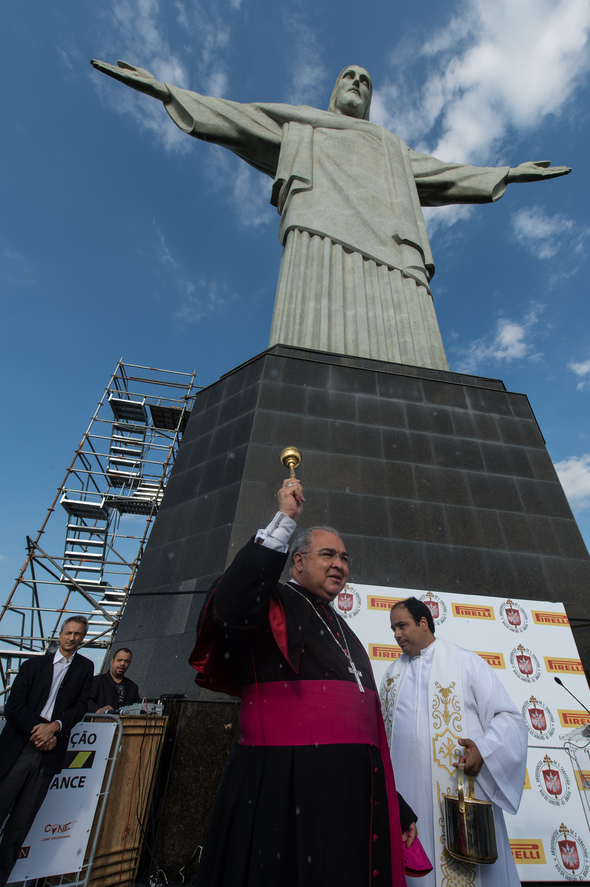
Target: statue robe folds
356,264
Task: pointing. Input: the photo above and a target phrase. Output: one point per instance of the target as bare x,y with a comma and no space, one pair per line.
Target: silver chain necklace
352,667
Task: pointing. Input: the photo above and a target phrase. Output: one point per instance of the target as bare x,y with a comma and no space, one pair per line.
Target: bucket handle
461,789
460,792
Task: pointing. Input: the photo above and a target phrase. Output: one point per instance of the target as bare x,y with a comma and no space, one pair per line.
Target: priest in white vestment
436,697
356,264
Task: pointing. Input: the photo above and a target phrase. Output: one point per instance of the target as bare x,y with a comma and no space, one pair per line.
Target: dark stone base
436,480
198,740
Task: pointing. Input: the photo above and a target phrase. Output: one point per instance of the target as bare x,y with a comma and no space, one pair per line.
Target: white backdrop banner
58,838
528,644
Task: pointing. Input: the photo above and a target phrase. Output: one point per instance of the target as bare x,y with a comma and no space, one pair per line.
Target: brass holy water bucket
470,834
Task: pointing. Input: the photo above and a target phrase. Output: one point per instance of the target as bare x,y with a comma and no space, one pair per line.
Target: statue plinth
436,480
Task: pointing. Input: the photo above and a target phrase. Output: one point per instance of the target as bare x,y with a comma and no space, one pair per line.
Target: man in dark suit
111,690
49,695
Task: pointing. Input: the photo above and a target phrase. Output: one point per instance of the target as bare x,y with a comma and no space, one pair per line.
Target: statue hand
137,78
534,171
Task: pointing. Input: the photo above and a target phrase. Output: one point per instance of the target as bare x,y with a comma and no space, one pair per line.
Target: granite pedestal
436,480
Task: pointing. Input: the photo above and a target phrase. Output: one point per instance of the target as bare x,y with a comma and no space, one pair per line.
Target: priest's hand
136,78
409,836
534,171
473,760
291,498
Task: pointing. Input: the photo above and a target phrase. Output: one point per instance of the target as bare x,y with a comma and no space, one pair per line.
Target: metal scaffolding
109,498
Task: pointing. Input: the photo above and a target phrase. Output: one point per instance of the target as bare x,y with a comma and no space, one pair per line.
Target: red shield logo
525,664
433,607
538,720
569,854
552,781
345,601
512,615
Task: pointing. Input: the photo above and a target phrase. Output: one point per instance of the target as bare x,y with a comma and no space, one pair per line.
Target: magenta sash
309,713
328,713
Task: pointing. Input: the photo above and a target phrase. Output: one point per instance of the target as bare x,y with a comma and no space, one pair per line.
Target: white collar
59,658
426,653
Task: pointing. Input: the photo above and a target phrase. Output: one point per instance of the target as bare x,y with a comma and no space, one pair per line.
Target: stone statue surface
356,267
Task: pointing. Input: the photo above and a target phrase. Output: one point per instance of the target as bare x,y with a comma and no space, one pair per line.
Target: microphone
561,684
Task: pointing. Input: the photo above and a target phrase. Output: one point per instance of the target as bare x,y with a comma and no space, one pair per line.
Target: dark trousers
22,792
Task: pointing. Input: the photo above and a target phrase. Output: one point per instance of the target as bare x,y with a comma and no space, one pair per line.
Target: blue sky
121,236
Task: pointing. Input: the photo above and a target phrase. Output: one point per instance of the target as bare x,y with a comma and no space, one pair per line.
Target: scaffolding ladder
109,498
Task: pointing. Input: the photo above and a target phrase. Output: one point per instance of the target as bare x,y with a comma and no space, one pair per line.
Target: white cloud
196,300
308,77
444,216
138,29
511,340
134,27
574,474
164,253
581,369
217,84
181,14
251,197
246,190
494,67
204,298
541,234
14,267
64,57
141,31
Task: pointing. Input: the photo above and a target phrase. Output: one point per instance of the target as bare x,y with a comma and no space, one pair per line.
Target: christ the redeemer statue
356,265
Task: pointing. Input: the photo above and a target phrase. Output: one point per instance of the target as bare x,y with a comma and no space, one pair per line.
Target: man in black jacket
49,695
111,690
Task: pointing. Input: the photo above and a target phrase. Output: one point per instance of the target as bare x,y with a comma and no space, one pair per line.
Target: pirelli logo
529,852
527,781
384,652
542,618
495,660
560,665
573,718
377,602
473,611
583,780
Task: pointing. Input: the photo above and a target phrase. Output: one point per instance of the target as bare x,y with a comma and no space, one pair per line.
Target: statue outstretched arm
137,78
245,129
535,171
440,182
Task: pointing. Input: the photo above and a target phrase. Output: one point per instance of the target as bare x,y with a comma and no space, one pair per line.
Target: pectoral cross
358,675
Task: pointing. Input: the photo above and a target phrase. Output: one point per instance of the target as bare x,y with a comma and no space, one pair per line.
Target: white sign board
528,644
58,838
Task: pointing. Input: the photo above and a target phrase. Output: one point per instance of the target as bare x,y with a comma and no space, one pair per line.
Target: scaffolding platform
110,495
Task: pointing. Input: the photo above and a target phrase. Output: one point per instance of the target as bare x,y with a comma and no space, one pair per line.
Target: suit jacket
104,692
29,694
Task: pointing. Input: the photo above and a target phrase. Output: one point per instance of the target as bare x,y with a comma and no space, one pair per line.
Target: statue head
352,94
